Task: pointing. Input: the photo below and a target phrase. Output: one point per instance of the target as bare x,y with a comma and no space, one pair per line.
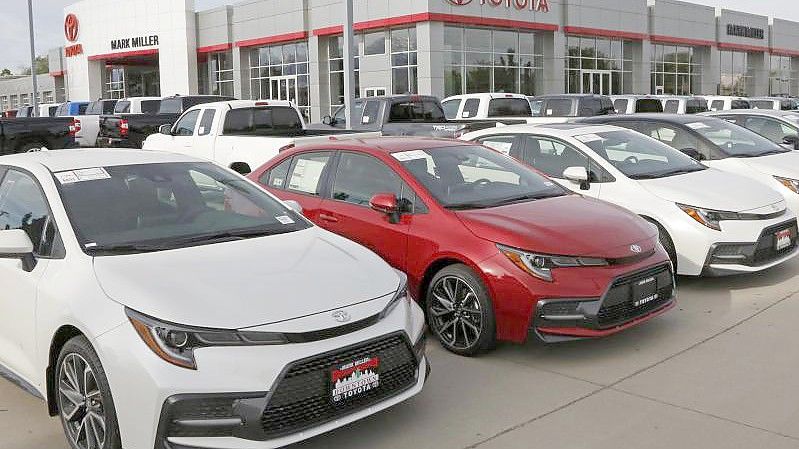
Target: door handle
328,218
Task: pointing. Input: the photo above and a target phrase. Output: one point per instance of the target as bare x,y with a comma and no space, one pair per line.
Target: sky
48,23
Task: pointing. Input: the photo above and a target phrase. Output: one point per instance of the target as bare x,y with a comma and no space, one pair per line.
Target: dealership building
292,49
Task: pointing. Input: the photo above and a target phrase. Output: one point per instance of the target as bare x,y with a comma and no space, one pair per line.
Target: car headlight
541,265
711,218
175,343
792,184
400,295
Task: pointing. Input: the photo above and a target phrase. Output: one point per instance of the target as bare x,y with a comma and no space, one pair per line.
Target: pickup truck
20,135
406,115
129,129
501,107
240,134
87,125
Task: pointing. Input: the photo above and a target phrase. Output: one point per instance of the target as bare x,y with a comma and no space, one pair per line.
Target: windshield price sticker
284,219
85,174
697,125
587,138
404,156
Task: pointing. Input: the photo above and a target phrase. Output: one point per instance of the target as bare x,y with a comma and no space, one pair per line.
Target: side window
276,178
769,128
620,106
205,122
504,144
360,177
537,106
338,116
370,112
307,171
552,157
23,206
470,108
677,138
185,126
717,105
671,106
451,108
558,108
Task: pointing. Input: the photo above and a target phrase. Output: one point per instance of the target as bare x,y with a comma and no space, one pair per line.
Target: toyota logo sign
71,27
635,248
532,5
341,316
460,2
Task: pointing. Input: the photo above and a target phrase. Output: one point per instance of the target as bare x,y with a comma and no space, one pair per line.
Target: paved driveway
720,371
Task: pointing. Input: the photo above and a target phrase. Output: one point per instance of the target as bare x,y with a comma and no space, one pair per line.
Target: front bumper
629,301
736,258
234,388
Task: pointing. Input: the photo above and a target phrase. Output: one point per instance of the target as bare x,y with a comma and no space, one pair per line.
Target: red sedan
492,248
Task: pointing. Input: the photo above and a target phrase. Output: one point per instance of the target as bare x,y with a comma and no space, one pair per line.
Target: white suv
157,300
711,222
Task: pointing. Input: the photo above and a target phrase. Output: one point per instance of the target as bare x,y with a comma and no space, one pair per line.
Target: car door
23,206
553,157
204,137
183,132
302,178
346,211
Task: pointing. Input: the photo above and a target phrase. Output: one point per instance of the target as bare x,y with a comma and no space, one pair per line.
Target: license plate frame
352,380
783,239
644,291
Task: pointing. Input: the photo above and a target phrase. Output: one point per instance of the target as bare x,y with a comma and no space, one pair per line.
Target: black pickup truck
406,115
20,135
130,130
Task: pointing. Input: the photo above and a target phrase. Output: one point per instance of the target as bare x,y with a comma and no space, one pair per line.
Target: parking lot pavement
717,372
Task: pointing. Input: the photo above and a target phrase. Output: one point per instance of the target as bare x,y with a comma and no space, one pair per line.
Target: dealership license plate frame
370,383
641,291
783,239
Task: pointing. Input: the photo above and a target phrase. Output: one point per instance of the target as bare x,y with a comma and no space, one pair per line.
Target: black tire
98,403
668,245
471,315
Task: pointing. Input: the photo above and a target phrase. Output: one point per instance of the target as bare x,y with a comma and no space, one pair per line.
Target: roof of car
385,144
554,129
657,116
564,96
74,159
772,112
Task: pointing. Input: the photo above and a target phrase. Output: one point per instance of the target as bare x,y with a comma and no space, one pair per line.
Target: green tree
42,66
5,72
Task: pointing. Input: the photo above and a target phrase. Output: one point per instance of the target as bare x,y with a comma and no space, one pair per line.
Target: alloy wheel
81,404
455,312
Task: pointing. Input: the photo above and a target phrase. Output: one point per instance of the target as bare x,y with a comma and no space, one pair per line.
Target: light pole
349,64
33,61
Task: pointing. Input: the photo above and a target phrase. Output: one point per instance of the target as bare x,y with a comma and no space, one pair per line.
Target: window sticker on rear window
85,174
588,138
403,156
697,125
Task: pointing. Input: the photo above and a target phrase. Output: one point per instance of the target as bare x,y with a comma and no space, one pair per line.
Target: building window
675,70
484,60
220,71
3,103
404,78
374,43
598,65
782,77
735,73
14,102
47,97
280,72
23,100
115,82
335,57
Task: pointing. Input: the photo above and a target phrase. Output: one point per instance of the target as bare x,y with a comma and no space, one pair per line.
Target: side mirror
165,129
327,120
578,175
792,140
386,203
293,205
692,153
15,244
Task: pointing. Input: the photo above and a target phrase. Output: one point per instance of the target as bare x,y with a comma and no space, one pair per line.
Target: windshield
639,156
734,140
474,177
151,207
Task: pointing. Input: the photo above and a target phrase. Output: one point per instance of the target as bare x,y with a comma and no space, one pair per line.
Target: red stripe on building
599,32
742,47
784,52
276,39
680,40
436,17
58,73
124,54
213,48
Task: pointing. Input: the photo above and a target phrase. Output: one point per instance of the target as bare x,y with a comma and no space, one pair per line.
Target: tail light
76,122
73,127
286,147
123,128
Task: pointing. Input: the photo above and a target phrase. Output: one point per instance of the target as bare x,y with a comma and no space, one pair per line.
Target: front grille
302,397
766,250
618,304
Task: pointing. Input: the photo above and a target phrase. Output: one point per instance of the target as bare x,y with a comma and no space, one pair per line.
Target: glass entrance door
596,82
284,88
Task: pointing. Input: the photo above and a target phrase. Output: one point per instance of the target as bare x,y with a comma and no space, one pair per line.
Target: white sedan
156,300
711,222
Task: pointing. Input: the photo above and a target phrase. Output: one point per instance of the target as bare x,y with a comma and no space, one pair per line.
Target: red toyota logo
71,27
460,2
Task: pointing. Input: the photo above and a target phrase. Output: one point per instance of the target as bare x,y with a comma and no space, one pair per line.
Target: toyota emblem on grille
635,248
341,316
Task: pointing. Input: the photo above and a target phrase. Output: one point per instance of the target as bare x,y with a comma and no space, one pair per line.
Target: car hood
784,164
570,225
250,282
713,189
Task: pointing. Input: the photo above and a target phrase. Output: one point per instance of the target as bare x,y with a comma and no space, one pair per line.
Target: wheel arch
439,263
60,338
